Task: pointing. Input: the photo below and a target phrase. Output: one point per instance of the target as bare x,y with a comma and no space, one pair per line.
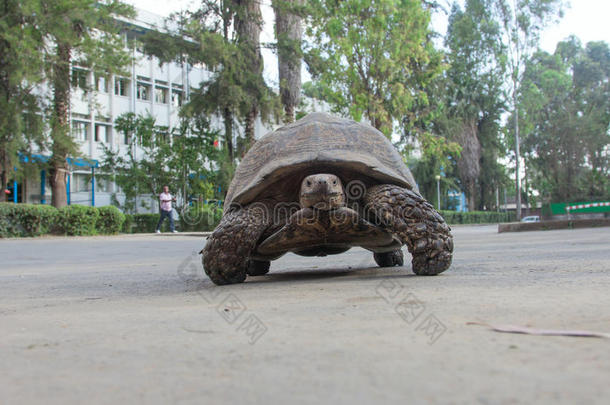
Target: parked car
531,218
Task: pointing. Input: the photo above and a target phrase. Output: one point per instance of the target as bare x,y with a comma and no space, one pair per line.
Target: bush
77,220
8,225
201,218
110,220
477,217
127,224
147,223
26,219
37,219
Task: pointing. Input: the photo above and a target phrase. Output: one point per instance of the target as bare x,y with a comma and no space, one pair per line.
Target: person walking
165,201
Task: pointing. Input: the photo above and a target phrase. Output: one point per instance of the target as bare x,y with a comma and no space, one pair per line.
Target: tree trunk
4,179
528,207
228,123
288,32
471,195
469,162
517,154
60,126
248,23
4,172
249,127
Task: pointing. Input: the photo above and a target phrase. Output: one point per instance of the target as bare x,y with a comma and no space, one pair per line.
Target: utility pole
438,192
516,73
517,155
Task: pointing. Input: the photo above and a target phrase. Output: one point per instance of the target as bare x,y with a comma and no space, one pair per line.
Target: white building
150,88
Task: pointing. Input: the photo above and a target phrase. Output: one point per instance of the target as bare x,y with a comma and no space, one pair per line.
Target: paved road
131,319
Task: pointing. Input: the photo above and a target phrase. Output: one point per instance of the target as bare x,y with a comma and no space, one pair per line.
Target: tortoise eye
335,182
308,183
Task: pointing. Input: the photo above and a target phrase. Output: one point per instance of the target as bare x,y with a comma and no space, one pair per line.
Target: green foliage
200,218
477,217
178,161
21,124
77,220
75,32
438,156
127,226
565,116
37,219
147,223
26,219
110,220
8,225
520,26
226,34
474,97
372,59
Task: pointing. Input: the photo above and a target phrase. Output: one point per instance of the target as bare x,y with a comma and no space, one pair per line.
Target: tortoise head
322,191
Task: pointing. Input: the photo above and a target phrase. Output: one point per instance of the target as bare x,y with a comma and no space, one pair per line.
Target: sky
587,19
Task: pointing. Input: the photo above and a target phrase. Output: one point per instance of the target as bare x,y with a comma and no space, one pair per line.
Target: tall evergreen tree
565,111
473,97
21,65
85,33
224,36
521,23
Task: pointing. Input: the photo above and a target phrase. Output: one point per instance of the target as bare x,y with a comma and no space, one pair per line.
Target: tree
248,25
565,109
288,33
85,33
371,59
521,22
472,93
21,121
177,159
223,35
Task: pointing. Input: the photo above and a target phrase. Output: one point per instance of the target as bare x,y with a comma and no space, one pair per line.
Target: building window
103,185
126,139
102,133
143,91
121,87
79,78
160,95
81,182
80,130
101,84
176,98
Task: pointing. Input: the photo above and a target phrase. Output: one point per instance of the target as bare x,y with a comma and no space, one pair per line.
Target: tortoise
317,187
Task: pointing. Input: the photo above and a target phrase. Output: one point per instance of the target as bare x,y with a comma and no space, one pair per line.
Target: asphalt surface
132,319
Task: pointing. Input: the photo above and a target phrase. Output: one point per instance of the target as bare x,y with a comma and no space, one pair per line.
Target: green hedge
34,220
143,223
147,223
194,219
477,217
127,224
110,221
26,219
77,220
200,218
18,220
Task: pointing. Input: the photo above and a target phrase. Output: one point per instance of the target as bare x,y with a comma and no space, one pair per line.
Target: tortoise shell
317,143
